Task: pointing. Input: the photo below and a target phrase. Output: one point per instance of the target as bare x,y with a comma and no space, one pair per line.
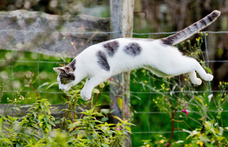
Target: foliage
39,128
209,135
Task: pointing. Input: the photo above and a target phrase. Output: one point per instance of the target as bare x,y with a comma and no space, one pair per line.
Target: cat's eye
65,80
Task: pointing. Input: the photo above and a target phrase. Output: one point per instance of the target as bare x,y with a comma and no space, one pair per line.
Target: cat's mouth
65,88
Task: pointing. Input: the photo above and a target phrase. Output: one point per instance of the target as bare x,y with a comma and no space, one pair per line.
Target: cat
103,60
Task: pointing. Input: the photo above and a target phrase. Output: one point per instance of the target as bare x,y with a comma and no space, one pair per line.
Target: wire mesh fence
155,122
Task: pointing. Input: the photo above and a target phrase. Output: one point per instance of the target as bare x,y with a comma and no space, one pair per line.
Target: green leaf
105,111
72,139
104,119
41,86
221,131
52,84
1,121
209,70
68,60
102,85
95,90
128,128
199,99
117,118
6,140
120,103
73,133
72,126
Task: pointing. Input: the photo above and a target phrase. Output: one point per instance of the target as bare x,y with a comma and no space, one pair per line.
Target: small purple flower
185,111
167,145
118,129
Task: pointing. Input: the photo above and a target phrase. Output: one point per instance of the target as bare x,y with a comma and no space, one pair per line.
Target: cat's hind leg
199,69
193,78
191,65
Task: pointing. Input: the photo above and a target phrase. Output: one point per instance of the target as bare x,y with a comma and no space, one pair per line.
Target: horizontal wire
111,32
216,91
30,61
159,112
160,132
53,92
133,92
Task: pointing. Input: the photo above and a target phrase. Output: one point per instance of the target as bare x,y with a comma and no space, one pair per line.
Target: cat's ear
65,69
58,69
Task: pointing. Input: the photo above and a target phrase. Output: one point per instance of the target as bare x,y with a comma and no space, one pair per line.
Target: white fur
159,56
163,60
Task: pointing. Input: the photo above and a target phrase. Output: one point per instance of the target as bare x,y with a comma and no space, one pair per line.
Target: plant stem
37,94
98,95
172,119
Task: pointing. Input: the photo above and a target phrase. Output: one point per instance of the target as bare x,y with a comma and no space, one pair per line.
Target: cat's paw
85,95
209,77
197,81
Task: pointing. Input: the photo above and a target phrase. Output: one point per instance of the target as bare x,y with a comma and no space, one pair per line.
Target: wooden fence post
127,30
116,26
122,19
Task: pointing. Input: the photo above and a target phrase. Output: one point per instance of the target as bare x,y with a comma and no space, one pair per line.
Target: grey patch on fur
72,64
168,41
213,15
102,60
133,49
195,25
111,47
202,21
66,77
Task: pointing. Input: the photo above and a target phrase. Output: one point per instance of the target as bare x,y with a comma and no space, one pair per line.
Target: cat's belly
157,72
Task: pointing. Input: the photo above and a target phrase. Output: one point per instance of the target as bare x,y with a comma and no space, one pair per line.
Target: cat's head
66,76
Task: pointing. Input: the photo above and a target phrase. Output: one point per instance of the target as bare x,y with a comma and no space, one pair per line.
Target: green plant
89,131
210,135
39,128
30,129
175,98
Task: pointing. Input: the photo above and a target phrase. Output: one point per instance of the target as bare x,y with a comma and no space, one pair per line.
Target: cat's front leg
86,91
86,95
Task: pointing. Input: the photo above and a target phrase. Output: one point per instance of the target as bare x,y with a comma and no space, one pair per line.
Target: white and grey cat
103,60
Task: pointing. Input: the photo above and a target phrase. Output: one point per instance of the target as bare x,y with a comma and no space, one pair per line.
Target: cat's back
128,50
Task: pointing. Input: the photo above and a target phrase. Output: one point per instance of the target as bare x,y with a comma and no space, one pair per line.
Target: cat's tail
192,29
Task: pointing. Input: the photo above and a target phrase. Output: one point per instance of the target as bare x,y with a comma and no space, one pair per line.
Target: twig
172,127
37,94
92,36
83,110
